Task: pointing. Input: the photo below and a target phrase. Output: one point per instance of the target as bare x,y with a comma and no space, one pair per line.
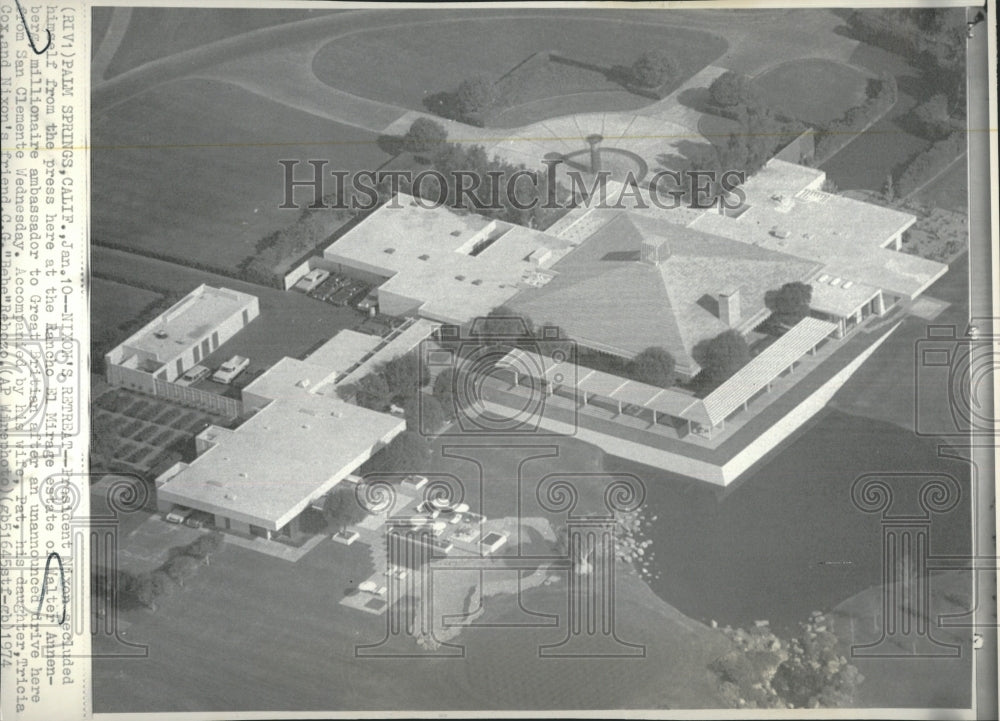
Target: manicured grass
949,191
814,91
112,304
434,56
158,32
190,169
251,632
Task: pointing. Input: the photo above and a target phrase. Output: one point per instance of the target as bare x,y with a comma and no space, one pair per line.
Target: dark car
199,519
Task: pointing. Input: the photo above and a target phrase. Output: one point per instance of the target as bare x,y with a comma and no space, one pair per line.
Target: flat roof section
839,296
458,267
272,466
393,346
289,377
783,213
344,350
188,321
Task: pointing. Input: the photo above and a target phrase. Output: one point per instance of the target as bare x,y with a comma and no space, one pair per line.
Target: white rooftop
294,450
188,321
344,350
290,377
786,211
459,266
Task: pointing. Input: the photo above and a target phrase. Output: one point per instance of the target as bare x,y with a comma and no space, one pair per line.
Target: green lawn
112,304
814,91
251,632
429,57
190,169
155,33
949,191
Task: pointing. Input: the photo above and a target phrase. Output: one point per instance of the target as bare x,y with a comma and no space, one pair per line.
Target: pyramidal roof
607,296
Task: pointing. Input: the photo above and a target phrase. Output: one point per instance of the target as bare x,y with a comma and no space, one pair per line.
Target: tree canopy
790,303
475,99
732,88
654,366
342,508
720,357
424,136
408,452
654,68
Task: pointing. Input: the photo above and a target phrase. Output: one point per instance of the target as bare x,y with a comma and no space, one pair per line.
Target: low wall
200,399
295,274
794,419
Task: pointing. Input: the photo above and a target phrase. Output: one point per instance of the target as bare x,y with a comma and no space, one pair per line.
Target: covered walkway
667,406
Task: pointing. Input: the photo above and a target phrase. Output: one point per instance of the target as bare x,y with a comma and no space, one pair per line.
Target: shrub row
882,95
157,255
144,589
929,163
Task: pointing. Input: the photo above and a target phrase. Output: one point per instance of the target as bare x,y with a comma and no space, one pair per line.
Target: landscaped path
112,40
276,62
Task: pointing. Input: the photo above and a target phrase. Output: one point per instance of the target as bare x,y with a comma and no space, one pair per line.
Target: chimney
729,307
655,250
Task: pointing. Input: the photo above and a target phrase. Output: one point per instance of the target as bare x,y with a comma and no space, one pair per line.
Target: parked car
369,302
178,514
311,280
192,375
198,519
341,295
230,369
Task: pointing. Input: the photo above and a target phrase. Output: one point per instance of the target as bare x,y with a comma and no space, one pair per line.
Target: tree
504,325
815,673
444,393
654,366
181,568
373,392
424,136
790,304
151,586
652,69
342,508
721,356
204,546
934,118
731,88
408,452
425,415
405,375
475,99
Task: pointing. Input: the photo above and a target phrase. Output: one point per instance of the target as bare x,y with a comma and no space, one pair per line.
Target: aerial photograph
549,359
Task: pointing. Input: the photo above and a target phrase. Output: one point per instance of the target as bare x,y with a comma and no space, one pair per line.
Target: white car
178,514
192,375
230,369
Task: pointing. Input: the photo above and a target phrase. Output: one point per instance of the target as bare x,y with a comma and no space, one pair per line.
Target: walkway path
276,62
112,40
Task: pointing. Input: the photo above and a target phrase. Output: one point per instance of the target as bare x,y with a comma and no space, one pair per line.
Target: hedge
929,163
840,132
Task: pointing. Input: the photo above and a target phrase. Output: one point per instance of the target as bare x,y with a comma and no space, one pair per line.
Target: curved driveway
275,62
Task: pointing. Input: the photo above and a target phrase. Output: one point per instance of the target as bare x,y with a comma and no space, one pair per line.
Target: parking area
341,290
